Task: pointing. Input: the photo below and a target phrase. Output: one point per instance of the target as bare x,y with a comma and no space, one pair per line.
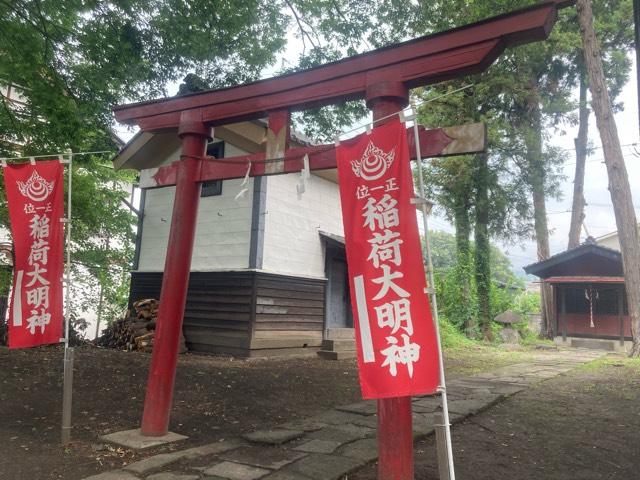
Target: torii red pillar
395,423
175,281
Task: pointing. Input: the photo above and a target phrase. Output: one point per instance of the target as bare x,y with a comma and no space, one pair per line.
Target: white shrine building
268,274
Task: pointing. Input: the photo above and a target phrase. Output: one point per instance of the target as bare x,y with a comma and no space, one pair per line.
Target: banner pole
432,295
67,389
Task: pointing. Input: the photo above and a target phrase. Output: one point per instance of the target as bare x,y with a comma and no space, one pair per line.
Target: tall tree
578,204
618,179
614,28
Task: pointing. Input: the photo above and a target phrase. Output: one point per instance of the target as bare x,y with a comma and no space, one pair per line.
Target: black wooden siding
225,310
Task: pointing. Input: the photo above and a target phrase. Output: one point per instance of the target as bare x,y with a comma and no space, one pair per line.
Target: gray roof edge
561,257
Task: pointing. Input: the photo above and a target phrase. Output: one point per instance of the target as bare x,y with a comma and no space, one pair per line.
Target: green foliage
527,303
5,280
450,335
453,304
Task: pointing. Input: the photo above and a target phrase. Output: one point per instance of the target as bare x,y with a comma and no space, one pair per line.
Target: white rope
399,112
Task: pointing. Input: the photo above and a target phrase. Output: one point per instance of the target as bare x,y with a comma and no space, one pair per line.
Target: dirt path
583,425
216,398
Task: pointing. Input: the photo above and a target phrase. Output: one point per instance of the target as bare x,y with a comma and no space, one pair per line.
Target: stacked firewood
137,330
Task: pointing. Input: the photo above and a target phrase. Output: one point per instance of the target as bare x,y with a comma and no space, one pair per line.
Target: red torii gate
383,78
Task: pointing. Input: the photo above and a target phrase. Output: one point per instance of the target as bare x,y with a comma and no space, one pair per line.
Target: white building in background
611,240
268,274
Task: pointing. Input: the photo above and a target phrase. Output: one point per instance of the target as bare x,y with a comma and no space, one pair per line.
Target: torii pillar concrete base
135,440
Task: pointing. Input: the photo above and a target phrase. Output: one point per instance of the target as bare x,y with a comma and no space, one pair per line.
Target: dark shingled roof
588,259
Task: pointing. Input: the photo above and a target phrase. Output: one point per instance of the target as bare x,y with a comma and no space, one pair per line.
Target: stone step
329,355
339,345
341,333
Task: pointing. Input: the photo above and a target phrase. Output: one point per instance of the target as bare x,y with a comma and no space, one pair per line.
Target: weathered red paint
157,406
321,157
395,436
395,439
418,62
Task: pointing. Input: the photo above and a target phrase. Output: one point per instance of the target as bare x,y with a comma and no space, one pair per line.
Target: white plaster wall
223,231
292,244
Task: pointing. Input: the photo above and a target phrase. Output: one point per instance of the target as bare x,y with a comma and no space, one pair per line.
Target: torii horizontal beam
422,61
435,142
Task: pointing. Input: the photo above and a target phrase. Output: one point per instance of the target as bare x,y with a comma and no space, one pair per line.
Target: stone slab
507,389
154,463
318,446
236,471
370,421
305,425
324,467
422,424
334,417
365,450
470,407
172,476
360,408
212,448
264,457
114,475
283,475
135,440
426,405
273,437
342,433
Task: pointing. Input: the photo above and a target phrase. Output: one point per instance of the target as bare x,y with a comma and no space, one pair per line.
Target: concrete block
135,440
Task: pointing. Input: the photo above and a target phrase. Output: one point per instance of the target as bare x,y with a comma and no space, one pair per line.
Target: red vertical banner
396,338
35,194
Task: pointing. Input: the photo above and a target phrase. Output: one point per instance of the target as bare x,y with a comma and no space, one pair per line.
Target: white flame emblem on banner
373,164
36,188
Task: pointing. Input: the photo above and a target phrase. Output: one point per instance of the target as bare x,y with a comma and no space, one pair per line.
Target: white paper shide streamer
305,176
243,186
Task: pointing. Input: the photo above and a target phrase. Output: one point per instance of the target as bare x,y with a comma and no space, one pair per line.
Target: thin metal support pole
67,388
434,304
67,394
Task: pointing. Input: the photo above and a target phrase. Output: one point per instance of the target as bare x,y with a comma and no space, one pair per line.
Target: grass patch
478,357
632,364
464,356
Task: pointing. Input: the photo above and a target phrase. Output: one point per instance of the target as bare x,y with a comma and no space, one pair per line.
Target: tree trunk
537,181
618,180
463,262
483,252
577,210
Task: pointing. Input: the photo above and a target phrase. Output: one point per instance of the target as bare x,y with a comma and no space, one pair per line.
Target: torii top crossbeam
383,77
426,60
